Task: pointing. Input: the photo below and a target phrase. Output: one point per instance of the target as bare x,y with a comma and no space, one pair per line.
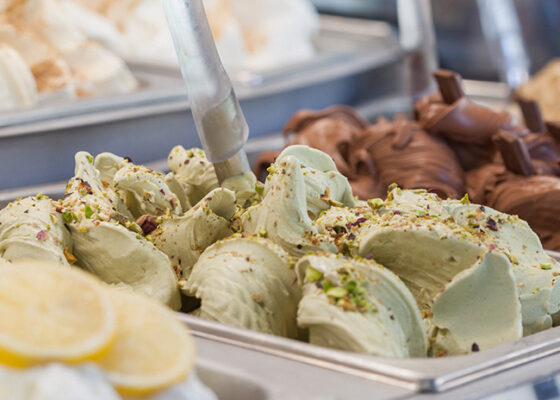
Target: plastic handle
218,117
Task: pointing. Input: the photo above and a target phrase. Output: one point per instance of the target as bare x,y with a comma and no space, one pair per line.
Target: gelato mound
401,151
65,61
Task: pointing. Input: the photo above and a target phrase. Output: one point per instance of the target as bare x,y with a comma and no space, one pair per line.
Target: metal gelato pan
357,61
414,374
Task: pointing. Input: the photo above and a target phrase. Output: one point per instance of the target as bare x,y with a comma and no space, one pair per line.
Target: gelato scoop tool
217,115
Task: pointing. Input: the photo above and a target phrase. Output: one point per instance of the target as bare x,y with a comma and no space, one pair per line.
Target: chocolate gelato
467,127
402,152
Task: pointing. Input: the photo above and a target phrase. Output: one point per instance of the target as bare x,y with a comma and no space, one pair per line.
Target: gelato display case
388,230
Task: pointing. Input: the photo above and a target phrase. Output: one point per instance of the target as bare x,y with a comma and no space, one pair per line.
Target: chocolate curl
531,114
514,153
554,129
449,84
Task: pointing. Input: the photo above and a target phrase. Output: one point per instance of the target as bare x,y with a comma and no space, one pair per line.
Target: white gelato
51,73
249,35
95,69
85,382
17,85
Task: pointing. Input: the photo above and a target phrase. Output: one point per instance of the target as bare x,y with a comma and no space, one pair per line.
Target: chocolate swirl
402,152
466,126
536,200
544,153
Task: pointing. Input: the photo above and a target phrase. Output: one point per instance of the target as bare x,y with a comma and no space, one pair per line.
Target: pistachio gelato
358,305
108,243
192,169
31,228
247,282
406,276
302,183
183,238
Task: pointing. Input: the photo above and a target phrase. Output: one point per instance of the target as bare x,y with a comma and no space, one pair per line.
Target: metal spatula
218,117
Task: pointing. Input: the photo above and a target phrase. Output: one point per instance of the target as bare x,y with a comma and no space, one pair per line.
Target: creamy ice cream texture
17,86
358,305
105,242
247,282
453,146
303,182
467,234
184,238
51,74
31,228
305,260
87,382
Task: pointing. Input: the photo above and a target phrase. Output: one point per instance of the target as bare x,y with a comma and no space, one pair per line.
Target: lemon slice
52,313
152,350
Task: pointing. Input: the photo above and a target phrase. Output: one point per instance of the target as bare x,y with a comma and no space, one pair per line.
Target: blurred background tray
363,64
489,93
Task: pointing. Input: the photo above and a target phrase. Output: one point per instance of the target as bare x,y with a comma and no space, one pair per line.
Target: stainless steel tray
277,377
414,374
237,373
363,63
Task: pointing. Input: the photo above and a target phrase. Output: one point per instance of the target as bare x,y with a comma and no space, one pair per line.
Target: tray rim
414,374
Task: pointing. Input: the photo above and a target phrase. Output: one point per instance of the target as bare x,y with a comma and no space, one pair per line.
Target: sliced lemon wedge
152,349
51,313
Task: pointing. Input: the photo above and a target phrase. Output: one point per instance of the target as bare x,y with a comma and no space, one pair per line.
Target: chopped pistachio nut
465,199
88,211
312,275
67,216
259,188
336,292
546,266
375,203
